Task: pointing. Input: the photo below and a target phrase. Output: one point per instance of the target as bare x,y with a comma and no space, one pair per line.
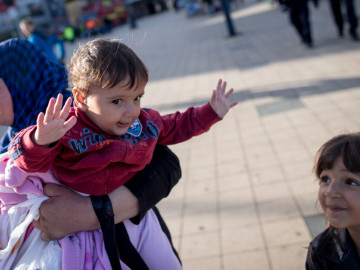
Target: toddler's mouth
123,125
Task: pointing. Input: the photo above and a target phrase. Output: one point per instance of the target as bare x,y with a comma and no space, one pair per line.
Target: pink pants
152,243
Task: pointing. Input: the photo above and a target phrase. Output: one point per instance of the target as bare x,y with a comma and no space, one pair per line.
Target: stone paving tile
271,191
200,222
238,216
211,263
277,209
241,239
286,231
249,259
288,256
200,245
316,223
233,182
200,204
266,175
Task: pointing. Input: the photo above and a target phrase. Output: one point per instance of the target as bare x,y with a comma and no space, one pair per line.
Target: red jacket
90,161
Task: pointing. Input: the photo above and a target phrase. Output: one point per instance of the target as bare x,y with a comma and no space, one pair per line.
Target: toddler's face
339,196
114,109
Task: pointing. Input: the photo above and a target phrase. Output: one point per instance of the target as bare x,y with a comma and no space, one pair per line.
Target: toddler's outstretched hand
220,99
52,126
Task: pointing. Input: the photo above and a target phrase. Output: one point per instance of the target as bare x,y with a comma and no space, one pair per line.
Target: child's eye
117,101
351,182
137,99
325,180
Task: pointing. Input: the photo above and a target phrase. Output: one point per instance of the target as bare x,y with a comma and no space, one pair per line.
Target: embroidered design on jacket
81,145
135,128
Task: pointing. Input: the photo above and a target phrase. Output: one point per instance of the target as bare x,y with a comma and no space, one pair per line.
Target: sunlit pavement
247,196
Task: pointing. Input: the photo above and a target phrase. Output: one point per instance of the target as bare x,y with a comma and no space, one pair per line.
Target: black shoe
341,34
354,36
308,44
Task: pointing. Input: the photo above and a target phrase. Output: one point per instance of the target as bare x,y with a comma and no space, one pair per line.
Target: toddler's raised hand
52,126
220,99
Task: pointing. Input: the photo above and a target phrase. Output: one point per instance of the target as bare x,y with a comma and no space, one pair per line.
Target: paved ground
247,196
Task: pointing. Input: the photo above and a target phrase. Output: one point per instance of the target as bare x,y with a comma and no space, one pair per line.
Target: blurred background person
351,17
132,16
299,17
47,44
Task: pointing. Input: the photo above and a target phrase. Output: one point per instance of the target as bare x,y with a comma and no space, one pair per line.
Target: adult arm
155,181
66,212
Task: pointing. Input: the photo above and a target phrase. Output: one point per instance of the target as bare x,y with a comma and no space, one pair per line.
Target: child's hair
104,63
27,21
346,146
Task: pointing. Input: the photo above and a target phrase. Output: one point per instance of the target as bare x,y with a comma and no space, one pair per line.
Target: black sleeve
156,180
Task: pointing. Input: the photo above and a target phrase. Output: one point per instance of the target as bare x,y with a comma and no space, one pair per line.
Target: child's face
114,109
339,196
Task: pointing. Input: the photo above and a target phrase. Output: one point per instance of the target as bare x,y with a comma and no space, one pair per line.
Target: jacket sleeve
29,156
156,180
179,127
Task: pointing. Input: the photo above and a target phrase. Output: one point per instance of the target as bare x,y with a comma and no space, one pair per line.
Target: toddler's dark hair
104,63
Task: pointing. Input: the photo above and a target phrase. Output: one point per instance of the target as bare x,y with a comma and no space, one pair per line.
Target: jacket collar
337,245
134,130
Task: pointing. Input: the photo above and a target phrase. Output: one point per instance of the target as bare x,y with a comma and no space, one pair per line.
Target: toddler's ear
79,99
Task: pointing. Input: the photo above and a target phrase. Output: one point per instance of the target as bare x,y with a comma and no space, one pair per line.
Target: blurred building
111,10
48,14
84,16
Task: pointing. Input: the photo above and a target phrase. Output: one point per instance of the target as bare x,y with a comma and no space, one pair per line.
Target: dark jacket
332,249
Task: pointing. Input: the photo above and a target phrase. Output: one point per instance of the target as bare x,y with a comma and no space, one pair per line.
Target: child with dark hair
337,167
106,138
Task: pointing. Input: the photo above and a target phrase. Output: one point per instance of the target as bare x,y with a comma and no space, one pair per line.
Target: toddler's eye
117,101
351,182
137,99
325,180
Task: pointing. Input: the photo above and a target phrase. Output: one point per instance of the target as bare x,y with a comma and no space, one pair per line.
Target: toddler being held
100,143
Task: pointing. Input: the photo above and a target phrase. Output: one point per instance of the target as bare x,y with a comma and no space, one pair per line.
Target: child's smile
114,110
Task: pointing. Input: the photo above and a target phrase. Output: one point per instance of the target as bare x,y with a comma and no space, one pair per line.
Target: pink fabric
84,250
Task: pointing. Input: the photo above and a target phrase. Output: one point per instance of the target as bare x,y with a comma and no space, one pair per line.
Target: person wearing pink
106,138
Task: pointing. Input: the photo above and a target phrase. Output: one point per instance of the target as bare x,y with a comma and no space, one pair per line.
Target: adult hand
220,99
64,213
67,212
